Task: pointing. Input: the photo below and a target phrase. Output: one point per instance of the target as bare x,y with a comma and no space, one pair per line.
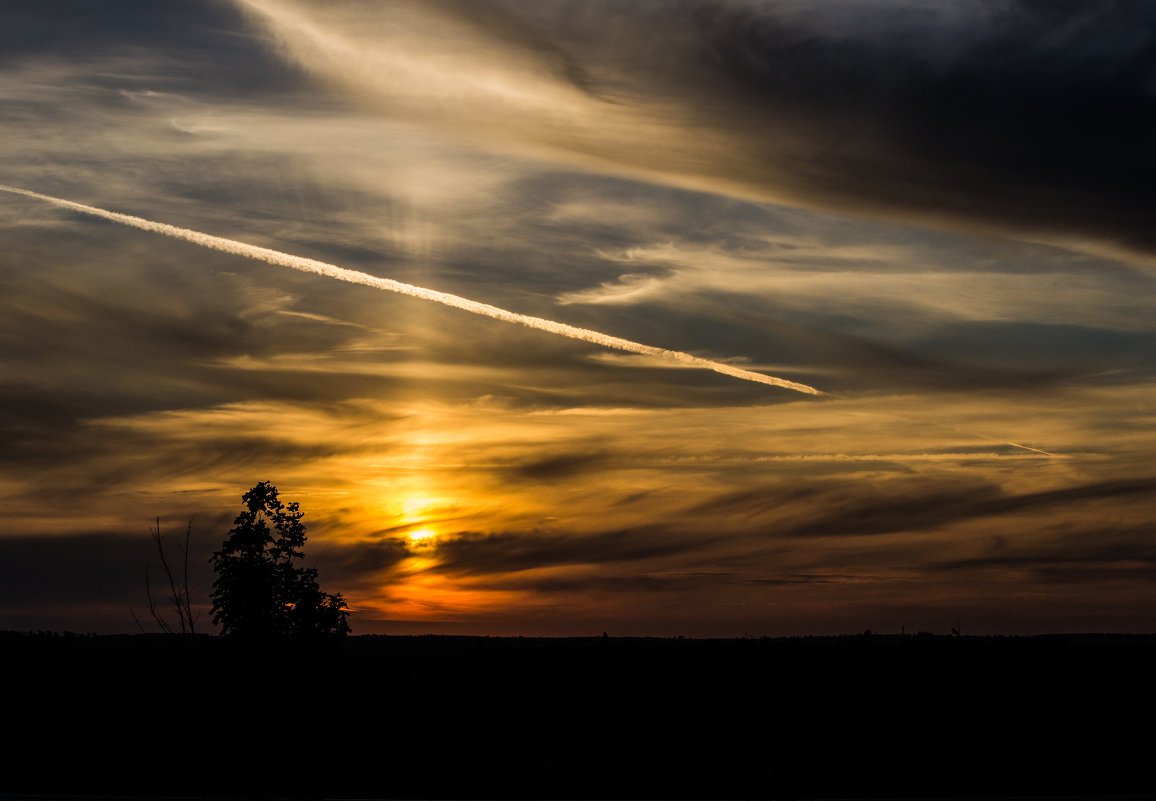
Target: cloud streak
303,264
1021,116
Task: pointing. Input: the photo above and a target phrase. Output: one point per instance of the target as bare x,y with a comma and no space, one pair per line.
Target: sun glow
418,513
421,535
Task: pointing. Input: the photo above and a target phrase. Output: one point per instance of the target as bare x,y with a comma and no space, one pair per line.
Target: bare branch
153,606
179,594
132,612
188,608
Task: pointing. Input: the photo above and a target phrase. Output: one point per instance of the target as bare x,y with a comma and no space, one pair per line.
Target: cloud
357,566
864,282
45,577
1117,554
849,508
495,554
281,259
561,466
1026,117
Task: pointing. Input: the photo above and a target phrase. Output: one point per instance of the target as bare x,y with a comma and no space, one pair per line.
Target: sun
416,513
421,535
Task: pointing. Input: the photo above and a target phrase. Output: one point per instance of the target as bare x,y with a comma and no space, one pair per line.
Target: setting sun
421,535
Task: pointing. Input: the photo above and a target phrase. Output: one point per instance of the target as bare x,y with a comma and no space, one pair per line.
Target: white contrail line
990,438
354,277
1027,448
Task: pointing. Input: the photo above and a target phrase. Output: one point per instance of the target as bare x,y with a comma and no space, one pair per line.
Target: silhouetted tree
260,593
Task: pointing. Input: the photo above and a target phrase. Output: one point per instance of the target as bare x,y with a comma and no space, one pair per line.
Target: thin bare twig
157,616
132,612
179,594
188,600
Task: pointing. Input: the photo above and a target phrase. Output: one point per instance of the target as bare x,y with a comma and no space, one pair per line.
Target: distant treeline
480,717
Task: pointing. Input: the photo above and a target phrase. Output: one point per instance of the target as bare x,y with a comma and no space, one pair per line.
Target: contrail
354,277
1033,450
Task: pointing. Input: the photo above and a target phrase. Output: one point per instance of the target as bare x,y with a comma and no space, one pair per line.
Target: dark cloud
805,579
641,584
946,355
97,569
560,466
481,554
1025,114
344,564
993,353
1035,114
1083,556
856,508
199,40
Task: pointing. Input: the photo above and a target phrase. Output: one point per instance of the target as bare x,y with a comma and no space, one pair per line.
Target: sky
937,215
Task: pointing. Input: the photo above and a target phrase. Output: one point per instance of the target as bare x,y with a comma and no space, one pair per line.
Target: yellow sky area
424,474
476,468
483,466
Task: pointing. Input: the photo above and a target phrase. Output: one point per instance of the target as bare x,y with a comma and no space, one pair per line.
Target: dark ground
464,717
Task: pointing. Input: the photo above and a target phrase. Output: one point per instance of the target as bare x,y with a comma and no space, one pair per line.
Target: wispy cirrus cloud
1020,117
445,298
940,179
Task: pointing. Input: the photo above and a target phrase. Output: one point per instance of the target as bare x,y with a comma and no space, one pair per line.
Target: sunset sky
941,215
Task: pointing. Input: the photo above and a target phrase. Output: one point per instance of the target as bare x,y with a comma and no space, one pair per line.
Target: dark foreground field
456,717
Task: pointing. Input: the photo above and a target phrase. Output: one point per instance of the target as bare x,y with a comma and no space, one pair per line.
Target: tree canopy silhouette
260,591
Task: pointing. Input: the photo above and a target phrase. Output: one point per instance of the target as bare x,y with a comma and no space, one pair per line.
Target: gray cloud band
1029,117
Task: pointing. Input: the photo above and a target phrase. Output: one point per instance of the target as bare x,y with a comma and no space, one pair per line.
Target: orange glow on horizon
420,593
